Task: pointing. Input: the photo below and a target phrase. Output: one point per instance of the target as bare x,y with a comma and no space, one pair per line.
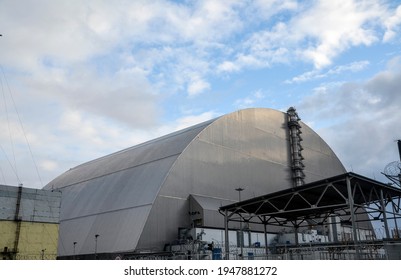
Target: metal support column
265,234
353,220
395,222
241,233
383,209
227,244
296,234
334,229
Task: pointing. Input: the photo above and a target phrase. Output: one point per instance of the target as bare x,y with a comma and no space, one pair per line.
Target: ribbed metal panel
112,196
137,199
248,149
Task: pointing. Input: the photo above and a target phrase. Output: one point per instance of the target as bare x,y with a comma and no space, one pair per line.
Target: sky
83,79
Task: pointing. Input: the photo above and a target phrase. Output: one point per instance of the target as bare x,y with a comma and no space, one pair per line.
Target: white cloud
334,26
314,32
49,165
228,66
319,74
351,67
77,34
190,120
212,20
249,101
360,120
181,38
197,85
74,123
92,77
267,8
392,24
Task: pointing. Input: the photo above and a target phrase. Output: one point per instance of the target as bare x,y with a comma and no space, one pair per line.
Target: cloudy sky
82,79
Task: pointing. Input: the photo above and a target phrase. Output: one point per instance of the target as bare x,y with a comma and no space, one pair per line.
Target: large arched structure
138,198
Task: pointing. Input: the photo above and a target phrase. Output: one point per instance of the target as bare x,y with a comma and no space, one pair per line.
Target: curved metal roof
112,196
136,199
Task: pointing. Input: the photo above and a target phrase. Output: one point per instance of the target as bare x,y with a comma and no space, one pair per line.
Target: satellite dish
393,172
393,169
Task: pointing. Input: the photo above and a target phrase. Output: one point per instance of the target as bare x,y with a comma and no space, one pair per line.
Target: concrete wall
29,223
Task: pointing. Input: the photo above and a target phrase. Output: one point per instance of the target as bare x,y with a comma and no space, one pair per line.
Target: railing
386,250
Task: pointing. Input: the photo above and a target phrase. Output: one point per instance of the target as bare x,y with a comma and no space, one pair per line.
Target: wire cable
8,126
22,127
2,175
12,168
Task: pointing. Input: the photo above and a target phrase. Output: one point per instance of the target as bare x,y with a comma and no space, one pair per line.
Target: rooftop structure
347,197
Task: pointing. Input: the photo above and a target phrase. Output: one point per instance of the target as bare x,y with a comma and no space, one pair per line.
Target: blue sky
90,78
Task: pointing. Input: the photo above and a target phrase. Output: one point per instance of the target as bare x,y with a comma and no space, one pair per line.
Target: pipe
399,148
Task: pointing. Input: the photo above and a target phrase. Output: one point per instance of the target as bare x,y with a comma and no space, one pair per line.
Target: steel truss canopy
349,196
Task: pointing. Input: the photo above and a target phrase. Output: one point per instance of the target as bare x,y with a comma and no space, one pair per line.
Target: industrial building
29,223
184,195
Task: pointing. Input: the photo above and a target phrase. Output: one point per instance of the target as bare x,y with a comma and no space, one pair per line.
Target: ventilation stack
295,132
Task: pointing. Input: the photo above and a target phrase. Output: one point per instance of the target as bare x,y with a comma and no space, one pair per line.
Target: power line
22,127
12,168
2,175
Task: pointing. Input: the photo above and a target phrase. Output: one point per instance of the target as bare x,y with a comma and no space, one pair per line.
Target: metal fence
386,250
31,257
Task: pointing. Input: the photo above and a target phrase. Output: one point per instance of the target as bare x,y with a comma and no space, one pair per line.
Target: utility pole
96,237
74,244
